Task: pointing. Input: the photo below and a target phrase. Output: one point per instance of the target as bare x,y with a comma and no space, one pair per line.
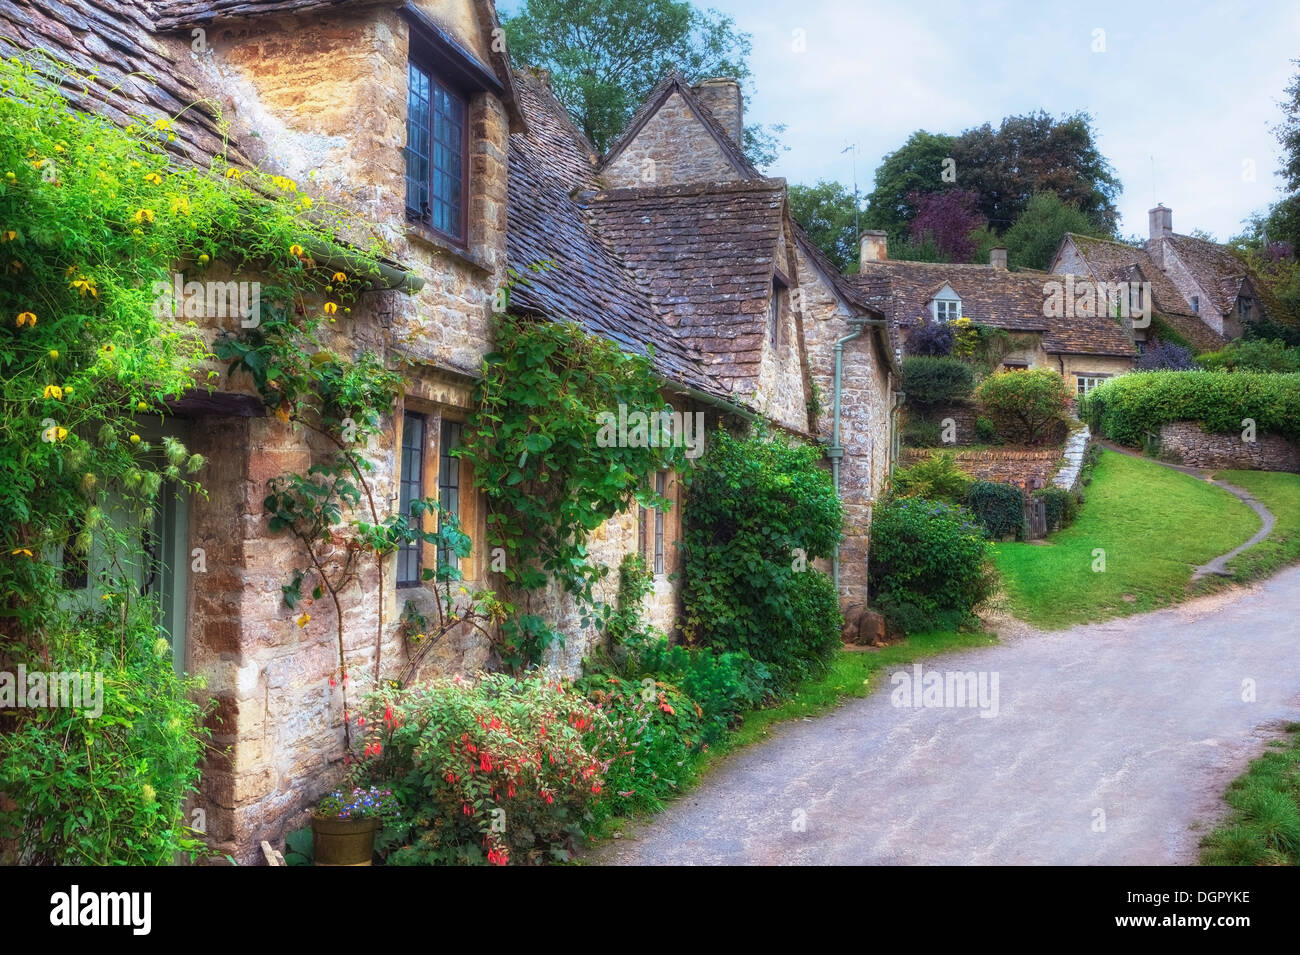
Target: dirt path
1112,744
1219,565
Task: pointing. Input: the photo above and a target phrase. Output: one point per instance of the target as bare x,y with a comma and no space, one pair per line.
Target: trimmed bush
919,432
1260,355
1060,506
931,338
937,478
757,513
985,433
1126,408
932,382
999,508
929,564
1026,407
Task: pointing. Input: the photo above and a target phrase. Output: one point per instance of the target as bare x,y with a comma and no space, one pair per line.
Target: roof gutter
390,276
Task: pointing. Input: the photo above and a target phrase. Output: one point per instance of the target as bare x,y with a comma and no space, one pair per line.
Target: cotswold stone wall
672,147
1021,466
963,415
1186,443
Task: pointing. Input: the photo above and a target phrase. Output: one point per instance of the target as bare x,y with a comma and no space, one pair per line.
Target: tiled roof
176,14
137,77
671,82
588,282
706,252
1222,272
1116,262
996,297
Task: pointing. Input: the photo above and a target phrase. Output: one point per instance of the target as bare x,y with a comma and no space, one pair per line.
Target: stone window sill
421,234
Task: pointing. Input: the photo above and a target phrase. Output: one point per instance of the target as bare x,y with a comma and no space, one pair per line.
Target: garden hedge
931,382
1125,408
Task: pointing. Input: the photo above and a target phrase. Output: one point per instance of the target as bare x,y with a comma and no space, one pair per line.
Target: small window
1244,306
661,480
1015,366
1087,382
449,482
947,309
437,153
1196,305
410,488
774,315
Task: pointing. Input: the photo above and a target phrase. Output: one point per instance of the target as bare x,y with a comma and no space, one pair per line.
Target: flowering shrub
931,338
654,729
928,567
372,803
500,770
723,684
1025,406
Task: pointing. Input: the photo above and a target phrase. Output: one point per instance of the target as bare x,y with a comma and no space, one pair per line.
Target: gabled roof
1109,261
670,83
707,254
996,297
177,14
136,75
1222,272
589,283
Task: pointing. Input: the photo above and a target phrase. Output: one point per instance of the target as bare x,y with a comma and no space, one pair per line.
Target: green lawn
1155,526
1280,493
1264,828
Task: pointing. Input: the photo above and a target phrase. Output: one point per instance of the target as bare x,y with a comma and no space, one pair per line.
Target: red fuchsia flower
333,682
595,787
485,763
549,800
466,809
498,857
510,790
388,716
361,721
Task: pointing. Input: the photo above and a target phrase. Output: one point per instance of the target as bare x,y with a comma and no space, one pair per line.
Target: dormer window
1244,306
947,309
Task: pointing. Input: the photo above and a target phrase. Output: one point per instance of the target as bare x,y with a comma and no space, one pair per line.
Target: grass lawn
1155,526
1280,493
852,673
1264,828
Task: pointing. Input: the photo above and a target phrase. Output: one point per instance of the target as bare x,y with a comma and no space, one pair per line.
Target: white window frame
950,305
1086,381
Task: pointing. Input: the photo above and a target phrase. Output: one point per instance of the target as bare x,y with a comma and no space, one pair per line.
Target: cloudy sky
1183,96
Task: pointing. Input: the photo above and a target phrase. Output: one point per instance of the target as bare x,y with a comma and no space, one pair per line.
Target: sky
1183,95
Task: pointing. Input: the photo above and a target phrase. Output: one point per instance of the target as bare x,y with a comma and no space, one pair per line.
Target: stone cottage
410,116
1082,348
1203,291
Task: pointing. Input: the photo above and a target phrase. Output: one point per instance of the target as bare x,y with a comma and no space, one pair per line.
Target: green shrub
1060,507
929,564
931,382
1259,355
106,790
937,477
999,508
1126,408
723,684
921,432
496,770
757,513
985,432
1026,407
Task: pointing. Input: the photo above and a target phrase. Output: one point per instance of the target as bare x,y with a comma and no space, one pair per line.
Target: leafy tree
1026,406
949,218
1035,153
1288,133
1033,240
916,167
826,213
605,55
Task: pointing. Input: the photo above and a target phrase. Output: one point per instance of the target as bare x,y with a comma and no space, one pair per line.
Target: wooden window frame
1080,377
955,302
425,62
422,469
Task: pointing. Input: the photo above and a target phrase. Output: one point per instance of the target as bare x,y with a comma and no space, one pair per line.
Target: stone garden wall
1186,443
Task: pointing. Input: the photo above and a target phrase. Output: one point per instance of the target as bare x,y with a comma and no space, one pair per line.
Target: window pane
660,481
448,159
410,488
448,482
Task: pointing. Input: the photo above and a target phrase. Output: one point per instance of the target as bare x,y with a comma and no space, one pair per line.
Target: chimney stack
998,258
722,97
874,246
1161,222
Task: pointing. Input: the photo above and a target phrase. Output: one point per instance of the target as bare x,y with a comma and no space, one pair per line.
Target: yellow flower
143,216
153,178
338,277
26,318
15,266
284,183
106,349
304,620
135,439
86,287
295,250
56,433
181,204
21,550
54,354
233,173
305,202
330,308
147,792
54,391
204,259
162,125
8,235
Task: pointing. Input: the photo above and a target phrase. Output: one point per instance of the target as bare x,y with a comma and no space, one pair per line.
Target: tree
826,213
1033,240
1036,153
916,167
605,55
1288,134
949,218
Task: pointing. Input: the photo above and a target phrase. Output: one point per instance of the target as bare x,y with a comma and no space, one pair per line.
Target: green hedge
1000,508
1060,507
930,382
1125,408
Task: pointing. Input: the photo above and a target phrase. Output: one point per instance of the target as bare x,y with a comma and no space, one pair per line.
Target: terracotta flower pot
344,841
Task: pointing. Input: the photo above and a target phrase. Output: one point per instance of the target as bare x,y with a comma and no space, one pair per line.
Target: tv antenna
853,147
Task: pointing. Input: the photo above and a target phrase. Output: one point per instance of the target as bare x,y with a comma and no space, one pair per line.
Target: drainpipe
836,450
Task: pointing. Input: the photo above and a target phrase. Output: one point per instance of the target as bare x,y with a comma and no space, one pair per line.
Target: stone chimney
998,258
1162,224
874,246
722,98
